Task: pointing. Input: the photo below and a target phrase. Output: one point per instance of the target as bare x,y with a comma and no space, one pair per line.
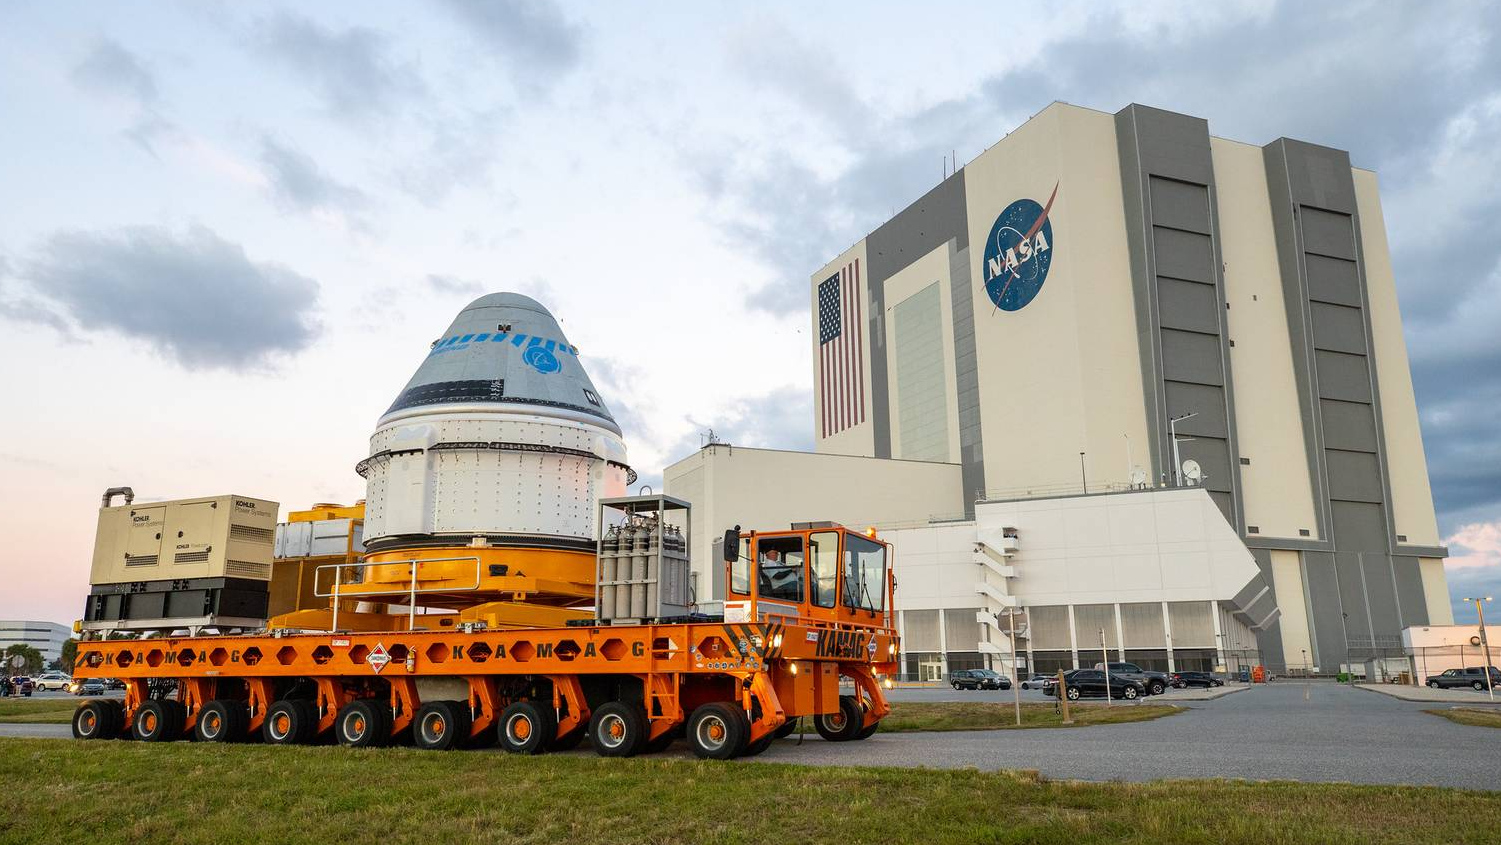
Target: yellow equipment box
210,537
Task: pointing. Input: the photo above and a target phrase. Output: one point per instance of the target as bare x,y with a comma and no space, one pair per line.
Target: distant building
46,637
1121,304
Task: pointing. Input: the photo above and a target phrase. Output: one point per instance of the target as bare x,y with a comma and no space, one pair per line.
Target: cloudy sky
229,231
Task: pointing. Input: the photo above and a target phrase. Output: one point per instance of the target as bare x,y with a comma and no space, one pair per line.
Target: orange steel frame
789,664
678,667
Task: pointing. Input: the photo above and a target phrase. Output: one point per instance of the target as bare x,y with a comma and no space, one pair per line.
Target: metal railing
411,592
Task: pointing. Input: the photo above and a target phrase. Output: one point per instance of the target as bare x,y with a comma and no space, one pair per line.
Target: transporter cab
807,632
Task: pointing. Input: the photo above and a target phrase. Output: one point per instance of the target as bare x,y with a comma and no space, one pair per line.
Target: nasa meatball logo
541,360
1018,253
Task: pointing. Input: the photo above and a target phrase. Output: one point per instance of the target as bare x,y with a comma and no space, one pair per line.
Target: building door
930,670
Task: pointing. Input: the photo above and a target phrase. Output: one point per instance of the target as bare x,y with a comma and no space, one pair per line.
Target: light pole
1105,661
1307,682
1172,431
1016,687
1082,479
1485,646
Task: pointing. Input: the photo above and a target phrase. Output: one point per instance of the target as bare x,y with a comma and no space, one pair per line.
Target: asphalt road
1268,732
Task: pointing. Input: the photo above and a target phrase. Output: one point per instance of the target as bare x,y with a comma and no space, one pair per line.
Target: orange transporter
807,610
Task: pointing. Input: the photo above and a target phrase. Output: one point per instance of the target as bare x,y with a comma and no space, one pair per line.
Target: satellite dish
1138,477
1192,471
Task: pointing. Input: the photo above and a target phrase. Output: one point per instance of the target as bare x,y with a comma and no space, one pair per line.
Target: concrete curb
1432,696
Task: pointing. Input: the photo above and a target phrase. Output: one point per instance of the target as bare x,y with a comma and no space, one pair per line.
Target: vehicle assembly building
1130,382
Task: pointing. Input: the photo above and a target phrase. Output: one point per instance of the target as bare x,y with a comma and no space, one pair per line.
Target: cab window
823,551
864,573
779,568
740,570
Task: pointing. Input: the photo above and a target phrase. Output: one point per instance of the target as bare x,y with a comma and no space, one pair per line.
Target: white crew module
500,434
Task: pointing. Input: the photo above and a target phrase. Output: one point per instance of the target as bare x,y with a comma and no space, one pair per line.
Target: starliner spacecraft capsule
486,471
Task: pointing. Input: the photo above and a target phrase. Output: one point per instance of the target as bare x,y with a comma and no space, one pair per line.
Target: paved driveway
1268,732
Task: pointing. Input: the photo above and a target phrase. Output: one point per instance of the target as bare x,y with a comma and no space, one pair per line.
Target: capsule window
591,396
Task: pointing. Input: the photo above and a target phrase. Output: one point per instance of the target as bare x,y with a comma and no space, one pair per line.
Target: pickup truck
1155,682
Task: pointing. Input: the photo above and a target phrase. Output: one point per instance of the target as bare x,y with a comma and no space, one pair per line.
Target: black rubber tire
841,726
1478,686
718,731
116,728
1073,693
868,731
759,746
618,729
363,723
1156,688
1433,684
286,723
222,721
93,720
440,725
786,729
660,744
1129,693
527,727
157,720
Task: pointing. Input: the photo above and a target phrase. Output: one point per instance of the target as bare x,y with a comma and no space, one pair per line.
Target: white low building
1433,648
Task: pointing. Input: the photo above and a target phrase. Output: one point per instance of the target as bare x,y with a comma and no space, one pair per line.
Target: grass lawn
1471,716
971,716
189,793
33,711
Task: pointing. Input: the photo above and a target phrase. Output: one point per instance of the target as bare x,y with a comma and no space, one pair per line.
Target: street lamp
1172,430
1485,646
1016,687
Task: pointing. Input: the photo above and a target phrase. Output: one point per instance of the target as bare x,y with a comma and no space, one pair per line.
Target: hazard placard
378,658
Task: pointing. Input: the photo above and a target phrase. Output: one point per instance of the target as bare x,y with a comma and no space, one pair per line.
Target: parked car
113,683
1039,681
978,679
21,685
53,682
1473,677
1090,683
1195,679
87,686
1156,683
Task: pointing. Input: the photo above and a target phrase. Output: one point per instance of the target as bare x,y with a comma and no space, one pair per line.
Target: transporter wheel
93,720
840,726
222,721
289,722
158,720
868,731
363,723
618,729
440,726
115,728
718,731
785,729
526,727
759,746
660,744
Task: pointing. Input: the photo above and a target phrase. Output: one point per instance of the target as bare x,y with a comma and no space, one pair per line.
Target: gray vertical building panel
1349,425
1168,187
1354,476
967,379
1207,401
1333,280
1358,526
1381,594
1352,595
1324,609
1338,328
1410,599
935,219
1328,233
1342,376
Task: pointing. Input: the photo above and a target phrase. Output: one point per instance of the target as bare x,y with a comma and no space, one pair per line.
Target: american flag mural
841,355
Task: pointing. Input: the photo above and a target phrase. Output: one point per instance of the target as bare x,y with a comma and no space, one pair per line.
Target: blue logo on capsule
541,360
1018,253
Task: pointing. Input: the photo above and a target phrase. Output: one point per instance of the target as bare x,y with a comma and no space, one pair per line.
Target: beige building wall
1276,487
768,490
931,269
858,439
1292,600
1436,591
1412,498
1070,357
